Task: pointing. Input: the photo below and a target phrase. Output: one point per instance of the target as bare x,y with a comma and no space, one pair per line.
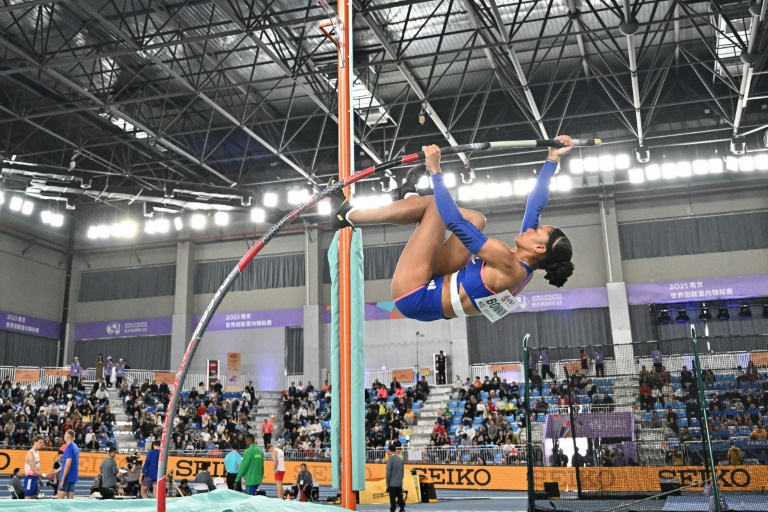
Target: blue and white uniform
31,480
425,303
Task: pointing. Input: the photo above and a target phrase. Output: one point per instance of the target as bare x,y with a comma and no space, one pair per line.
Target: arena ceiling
212,104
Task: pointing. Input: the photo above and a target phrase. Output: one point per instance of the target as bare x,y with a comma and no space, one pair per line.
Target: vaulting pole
344,84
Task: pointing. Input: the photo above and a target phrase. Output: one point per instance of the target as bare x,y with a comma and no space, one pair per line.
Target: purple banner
124,328
26,324
255,319
717,288
577,298
533,301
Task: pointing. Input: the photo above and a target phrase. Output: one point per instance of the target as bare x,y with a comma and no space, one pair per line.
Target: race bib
497,306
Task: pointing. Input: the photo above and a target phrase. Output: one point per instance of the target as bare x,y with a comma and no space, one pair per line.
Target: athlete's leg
403,212
417,262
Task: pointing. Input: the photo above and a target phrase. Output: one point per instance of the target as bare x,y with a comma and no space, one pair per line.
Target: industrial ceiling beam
219,109
300,81
749,57
628,28
509,48
375,25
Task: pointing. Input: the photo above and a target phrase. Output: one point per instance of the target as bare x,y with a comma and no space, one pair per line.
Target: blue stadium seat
498,457
453,404
457,420
478,419
484,395
683,422
647,416
402,440
462,403
695,422
416,406
535,392
545,392
515,427
454,428
681,414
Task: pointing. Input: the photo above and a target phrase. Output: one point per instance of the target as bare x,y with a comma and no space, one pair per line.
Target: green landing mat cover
222,500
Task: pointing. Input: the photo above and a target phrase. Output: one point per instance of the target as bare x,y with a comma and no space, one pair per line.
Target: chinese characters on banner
233,371
26,324
717,288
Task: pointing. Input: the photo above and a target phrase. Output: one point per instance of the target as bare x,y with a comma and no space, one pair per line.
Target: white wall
262,350
31,283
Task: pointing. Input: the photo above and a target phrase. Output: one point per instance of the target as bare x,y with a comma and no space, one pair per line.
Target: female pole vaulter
467,273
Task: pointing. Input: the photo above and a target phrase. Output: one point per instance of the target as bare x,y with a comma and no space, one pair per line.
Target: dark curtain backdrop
141,352
503,340
698,235
379,262
645,325
278,271
127,283
18,349
294,350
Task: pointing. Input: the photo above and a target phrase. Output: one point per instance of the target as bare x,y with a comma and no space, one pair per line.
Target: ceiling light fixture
259,215
198,221
221,218
270,199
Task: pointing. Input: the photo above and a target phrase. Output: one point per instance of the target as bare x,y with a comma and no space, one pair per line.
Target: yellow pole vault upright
346,146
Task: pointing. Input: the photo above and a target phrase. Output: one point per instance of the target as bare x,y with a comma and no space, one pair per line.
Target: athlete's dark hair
557,259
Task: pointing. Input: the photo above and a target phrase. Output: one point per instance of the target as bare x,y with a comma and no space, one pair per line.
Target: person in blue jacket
467,273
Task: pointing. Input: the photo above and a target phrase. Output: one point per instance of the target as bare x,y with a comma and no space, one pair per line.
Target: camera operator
133,475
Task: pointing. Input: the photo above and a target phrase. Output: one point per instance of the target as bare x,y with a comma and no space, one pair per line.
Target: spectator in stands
584,361
561,459
599,358
646,397
758,433
657,357
536,381
686,376
577,460
672,423
735,456
685,435
643,375
422,389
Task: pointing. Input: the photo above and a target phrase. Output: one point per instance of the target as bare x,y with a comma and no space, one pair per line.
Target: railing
385,377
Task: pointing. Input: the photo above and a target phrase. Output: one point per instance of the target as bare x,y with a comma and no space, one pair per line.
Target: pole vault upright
346,157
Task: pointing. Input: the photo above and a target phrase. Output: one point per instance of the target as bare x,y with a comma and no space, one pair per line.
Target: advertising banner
213,372
375,492
403,375
124,328
508,367
26,324
454,476
255,319
165,378
27,375
717,288
233,372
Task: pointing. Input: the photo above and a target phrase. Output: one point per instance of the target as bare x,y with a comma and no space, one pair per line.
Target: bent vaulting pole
202,325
